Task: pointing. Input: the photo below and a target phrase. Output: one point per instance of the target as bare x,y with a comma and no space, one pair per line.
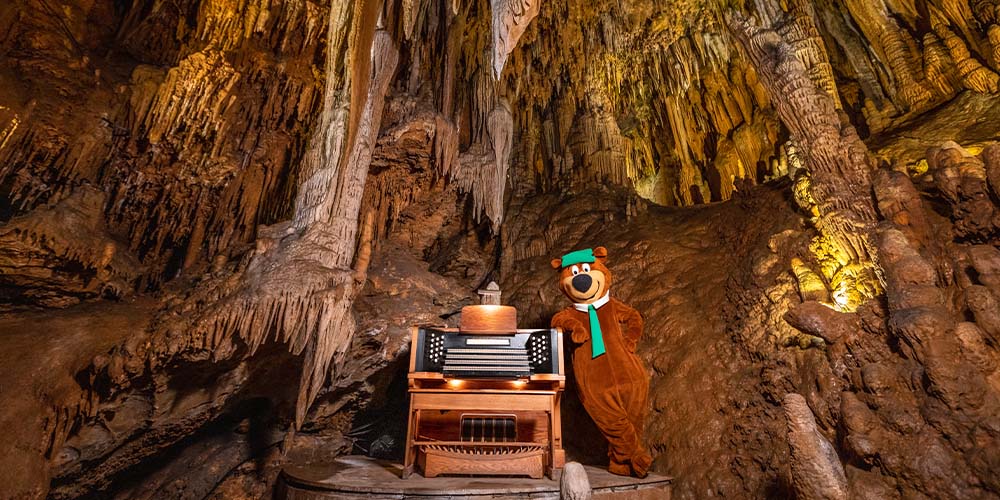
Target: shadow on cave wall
246,430
379,431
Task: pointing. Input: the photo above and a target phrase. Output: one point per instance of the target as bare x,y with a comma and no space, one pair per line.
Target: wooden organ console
485,397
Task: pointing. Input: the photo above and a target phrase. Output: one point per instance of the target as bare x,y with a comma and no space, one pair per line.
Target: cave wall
710,283
188,117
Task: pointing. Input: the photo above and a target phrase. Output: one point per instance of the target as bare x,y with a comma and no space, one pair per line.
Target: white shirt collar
597,304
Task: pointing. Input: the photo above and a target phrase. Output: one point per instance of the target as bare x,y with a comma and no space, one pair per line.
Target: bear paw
619,469
641,464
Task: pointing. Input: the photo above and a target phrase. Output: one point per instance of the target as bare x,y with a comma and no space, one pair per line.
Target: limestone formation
510,19
574,484
816,469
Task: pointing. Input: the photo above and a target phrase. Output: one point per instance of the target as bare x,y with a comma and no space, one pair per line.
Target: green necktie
596,339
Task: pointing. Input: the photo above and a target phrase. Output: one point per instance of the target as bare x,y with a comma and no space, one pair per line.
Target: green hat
579,257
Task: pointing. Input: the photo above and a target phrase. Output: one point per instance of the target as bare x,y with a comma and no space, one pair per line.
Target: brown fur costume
614,386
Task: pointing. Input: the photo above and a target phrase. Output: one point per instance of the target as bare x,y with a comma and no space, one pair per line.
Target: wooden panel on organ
485,397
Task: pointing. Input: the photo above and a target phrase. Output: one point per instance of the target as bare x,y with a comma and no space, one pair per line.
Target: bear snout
582,282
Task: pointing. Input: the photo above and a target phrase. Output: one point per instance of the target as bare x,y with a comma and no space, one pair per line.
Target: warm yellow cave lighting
841,298
843,281
801,191
851,284
519,384
8,130
921,167
455,383
811,286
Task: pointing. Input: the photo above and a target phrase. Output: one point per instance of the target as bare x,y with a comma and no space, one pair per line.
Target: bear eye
576,270
586,268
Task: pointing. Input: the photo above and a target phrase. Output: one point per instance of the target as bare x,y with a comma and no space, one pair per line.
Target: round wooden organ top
489,316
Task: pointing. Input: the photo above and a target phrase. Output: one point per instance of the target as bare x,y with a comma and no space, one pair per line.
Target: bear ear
556,263
601,253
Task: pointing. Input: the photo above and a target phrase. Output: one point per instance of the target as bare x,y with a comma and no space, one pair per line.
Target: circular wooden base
353,477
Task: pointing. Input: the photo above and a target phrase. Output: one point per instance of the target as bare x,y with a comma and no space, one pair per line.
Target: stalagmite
962,179
833,152
203,202
985,306
816,469
574,483
811,286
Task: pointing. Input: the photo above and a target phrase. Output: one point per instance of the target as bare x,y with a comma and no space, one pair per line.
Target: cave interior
220,218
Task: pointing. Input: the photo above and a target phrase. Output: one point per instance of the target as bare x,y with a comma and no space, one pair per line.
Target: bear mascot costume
611,380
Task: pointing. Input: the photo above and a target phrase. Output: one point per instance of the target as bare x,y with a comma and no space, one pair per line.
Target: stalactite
8,125
800,31
202,82
480,171
938,66
226,25
987,11
411,9
400,171
445,144
994,36
895,47
299,285
178,149
335,326
973,74
510,19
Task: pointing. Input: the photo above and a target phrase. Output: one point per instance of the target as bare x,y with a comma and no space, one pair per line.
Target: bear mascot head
584,277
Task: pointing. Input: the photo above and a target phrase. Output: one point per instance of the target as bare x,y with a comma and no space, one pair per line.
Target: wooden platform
354,477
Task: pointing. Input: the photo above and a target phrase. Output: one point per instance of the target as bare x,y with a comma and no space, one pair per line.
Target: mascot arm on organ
565,321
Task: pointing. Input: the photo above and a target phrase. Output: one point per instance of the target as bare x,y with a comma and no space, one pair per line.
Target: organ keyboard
519,354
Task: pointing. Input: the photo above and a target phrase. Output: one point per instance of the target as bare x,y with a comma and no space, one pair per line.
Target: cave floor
363,477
